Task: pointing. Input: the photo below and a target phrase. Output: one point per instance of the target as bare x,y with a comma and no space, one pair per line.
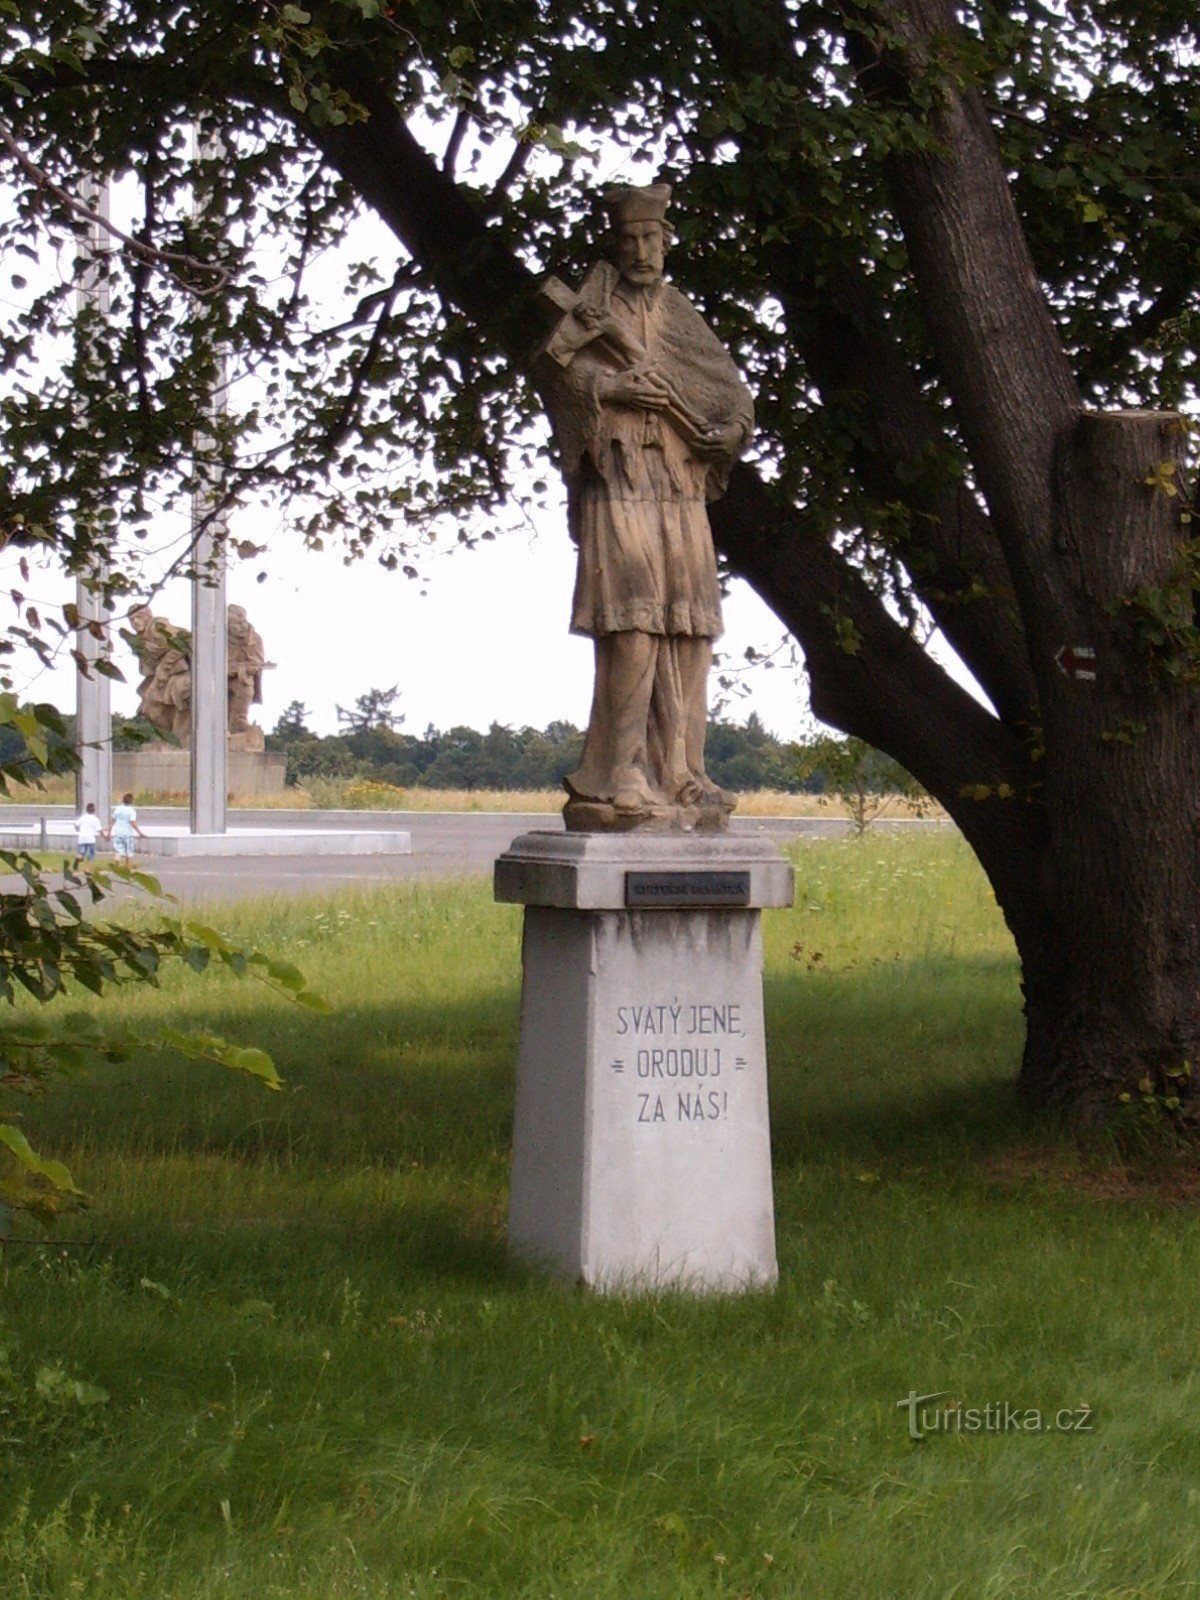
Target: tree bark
1113,990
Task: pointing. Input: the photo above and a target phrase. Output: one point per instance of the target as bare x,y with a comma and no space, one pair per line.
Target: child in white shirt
87,826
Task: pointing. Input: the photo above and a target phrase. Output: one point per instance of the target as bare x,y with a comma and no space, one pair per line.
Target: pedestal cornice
591,871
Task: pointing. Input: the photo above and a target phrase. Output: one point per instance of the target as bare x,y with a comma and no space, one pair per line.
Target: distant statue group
164,655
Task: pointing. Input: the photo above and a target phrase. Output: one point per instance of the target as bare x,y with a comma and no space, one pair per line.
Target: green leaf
53,1171
240,1058
284,973
146,881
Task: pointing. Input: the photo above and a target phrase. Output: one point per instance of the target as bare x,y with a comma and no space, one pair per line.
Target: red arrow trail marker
1077,661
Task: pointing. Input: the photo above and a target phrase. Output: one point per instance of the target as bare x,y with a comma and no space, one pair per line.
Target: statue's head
639,232
237,622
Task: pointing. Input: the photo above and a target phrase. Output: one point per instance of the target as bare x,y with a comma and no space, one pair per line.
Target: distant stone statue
163,652
246,661
649,413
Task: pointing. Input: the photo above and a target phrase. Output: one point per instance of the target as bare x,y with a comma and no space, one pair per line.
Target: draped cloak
636,495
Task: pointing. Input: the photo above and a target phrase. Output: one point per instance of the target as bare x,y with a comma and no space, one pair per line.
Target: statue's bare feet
698,789
686,790
711,795
632,793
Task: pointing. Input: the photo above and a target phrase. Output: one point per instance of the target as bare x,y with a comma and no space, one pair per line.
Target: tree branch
427,211
454,144
871,678
889,691
950,550
516,164
406,276
179,264
902,453
997,347
348,409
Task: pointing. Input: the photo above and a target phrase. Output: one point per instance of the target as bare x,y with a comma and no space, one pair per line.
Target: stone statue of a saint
163,653
649,413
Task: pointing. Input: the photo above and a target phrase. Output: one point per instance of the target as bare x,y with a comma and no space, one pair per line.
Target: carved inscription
682,1054
710,1106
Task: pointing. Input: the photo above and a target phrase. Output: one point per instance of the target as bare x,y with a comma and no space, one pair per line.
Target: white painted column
210,742
210,712
93,702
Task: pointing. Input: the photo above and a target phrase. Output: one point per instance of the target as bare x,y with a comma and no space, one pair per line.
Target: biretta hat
632,204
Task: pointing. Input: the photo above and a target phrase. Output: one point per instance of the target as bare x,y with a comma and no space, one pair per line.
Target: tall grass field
367,794
283,1354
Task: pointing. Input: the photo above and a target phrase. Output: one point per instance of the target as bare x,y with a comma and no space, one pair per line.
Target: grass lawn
323,1378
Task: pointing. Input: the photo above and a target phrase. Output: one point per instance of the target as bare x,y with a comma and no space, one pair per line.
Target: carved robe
637,495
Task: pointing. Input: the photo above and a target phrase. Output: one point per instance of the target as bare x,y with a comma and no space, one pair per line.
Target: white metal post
93,701
209,682
210,716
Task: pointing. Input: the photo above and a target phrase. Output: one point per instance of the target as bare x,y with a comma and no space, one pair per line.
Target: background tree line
373,746
371,743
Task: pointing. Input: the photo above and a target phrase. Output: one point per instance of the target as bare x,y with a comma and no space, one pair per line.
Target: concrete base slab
641,1146
178,841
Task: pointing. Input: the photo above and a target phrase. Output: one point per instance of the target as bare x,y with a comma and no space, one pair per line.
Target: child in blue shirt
122,828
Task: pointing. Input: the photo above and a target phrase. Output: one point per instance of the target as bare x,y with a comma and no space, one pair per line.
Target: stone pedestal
641,1149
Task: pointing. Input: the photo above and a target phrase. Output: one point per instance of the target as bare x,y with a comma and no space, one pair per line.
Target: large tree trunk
1108,922
1113,987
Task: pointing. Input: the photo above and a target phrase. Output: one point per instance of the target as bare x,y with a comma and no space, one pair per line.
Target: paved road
444,845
